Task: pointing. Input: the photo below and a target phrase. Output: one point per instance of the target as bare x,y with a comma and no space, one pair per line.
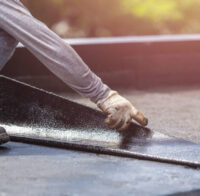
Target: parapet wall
139,62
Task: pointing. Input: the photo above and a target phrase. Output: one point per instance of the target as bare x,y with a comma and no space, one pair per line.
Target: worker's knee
7,42
7,47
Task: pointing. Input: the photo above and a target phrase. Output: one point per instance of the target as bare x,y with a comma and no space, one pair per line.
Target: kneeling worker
18,25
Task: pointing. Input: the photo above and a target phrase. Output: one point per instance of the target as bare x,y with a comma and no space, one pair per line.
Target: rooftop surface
35,170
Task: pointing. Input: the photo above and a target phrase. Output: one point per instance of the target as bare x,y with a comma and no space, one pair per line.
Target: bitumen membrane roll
35,116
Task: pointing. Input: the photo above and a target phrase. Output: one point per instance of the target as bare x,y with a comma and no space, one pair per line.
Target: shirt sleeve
51,50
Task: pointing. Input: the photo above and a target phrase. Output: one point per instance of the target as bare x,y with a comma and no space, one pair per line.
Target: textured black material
103,150
36,114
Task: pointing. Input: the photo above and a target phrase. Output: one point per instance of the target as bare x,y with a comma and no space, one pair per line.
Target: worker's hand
120,112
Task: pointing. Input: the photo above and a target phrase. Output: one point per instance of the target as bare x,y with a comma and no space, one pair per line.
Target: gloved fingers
120,112
113,122
139,117
124,126
110,111
127,121
119,122
109,121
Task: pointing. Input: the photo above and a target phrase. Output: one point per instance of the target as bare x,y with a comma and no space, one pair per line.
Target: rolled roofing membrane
35,116
65,135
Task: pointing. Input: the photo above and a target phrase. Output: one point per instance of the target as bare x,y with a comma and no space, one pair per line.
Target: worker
18,25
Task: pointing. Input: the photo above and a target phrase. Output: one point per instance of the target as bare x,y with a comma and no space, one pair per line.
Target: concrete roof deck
35,170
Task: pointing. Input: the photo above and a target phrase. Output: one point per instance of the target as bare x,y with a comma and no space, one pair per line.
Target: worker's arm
57,56
50,49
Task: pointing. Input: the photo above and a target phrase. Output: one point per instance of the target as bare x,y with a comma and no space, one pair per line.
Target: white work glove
120,112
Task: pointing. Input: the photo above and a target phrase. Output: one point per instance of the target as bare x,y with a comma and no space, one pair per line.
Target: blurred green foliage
97,18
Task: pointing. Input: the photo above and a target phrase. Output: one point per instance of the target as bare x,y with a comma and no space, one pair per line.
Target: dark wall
140,63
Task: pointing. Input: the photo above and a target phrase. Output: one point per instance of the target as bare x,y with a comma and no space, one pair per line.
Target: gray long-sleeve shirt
18,25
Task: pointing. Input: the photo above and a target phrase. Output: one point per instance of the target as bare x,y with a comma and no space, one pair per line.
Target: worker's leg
3,136
7,47
50,49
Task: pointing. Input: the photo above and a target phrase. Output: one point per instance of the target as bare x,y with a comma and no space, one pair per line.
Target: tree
119,17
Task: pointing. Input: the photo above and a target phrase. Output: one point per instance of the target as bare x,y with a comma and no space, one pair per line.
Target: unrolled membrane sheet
36,116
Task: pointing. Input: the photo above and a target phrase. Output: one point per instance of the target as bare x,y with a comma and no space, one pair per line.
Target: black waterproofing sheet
35,116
